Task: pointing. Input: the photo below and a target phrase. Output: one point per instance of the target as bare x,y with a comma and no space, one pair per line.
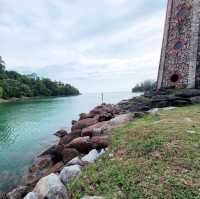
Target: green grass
155,157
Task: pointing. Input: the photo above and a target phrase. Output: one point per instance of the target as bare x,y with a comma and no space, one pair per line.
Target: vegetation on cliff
156,156
13,84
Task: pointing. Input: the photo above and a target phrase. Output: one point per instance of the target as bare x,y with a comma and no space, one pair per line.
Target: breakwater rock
160,99
87,141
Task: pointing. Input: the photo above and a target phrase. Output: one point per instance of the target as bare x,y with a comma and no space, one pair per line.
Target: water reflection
26,128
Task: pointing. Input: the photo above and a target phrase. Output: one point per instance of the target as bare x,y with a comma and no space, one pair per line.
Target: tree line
14,84
147,85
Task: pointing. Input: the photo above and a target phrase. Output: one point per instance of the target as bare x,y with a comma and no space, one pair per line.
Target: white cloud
83,41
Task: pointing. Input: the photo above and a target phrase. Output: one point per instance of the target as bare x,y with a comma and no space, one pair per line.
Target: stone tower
180,55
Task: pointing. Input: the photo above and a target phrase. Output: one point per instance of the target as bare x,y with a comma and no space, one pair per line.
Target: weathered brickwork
180,60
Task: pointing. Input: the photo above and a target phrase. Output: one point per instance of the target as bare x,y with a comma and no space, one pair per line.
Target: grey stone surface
182,28
69,173
31,195
50,187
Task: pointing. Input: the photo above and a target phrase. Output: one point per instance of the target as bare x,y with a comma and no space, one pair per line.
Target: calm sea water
26,128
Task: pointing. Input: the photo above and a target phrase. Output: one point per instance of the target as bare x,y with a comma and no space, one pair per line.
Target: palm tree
2,64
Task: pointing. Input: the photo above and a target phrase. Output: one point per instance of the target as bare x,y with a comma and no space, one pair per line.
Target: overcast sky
96,45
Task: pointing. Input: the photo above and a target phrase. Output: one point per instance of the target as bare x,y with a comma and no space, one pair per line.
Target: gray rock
31,195
74,161
69,173
50,187
92,156
121,119
195,99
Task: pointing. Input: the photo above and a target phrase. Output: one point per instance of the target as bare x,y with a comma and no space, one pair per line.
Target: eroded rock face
81,144
50,187
68,154
18,193
69,173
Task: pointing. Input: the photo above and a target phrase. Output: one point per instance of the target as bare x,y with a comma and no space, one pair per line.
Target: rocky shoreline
88,140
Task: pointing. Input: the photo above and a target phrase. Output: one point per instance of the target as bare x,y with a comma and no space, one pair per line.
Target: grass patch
154,157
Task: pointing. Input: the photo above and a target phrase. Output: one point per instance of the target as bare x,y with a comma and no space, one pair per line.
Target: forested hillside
13,84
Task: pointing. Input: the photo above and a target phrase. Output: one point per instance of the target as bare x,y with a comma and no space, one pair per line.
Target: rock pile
59,164
161,99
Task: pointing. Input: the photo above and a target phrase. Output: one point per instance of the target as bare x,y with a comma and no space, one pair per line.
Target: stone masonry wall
178,45
179,60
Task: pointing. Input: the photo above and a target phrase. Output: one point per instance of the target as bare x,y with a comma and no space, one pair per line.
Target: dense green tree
147,85
1,92
13,84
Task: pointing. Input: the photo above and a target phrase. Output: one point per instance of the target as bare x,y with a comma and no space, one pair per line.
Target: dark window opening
174,78
178,45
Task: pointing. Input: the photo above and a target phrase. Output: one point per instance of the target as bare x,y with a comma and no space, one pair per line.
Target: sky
95,45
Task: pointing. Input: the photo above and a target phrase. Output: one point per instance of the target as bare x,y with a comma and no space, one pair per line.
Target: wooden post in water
102,97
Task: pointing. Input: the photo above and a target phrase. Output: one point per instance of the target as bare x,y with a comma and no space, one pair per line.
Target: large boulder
31,195
95,130
121,119
18,193
55,152
81,144
38,169
85,123
69,137
195,99
68,154
50,187
61,133
77,161
69,173
100,142
187,93
92,156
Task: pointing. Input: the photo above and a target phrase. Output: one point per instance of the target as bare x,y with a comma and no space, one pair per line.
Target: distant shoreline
15,99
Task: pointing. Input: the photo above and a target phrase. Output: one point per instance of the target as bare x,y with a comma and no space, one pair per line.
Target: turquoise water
26,128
